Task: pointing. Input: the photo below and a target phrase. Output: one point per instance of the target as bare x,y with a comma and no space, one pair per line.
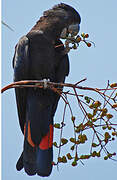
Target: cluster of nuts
76,40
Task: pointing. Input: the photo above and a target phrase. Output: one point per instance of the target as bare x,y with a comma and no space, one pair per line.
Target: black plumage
36,58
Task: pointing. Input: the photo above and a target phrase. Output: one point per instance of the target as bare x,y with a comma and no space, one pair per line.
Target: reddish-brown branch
60,45
80,104
40,83
80,81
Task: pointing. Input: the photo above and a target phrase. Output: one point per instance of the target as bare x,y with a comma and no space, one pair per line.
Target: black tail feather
29,158
19,165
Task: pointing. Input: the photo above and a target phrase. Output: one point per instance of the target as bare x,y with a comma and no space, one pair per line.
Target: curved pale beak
72,29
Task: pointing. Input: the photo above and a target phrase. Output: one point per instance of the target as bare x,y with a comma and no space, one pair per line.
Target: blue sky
98,64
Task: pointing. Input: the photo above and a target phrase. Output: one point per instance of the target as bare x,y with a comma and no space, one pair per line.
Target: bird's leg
45,85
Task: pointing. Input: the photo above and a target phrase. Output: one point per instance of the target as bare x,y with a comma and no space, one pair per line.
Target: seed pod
86,35
73,118
59,159
107,136
64,160
79,128
82,157
104,127
88,44
74,46
89,123
114,133
74,163
114,105
72,147
94,119
109,127
64,141
113,85
109,116
104,111
91,106
57,125
83,35
88,101
94,145
94,154
97,104
55,144
85,156
109,155
89,115
86,97
98,154
114,154
69,156
78,39
72,140
106,157
95,111
82,138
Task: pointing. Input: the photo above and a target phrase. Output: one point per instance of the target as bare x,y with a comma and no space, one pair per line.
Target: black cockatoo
36,58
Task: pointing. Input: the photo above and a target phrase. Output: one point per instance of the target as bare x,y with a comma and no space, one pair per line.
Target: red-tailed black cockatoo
36,58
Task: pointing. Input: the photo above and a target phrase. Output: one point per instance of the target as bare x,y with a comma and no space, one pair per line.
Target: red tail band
46,141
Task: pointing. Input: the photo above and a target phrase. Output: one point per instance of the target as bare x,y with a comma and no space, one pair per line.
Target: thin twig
61,132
